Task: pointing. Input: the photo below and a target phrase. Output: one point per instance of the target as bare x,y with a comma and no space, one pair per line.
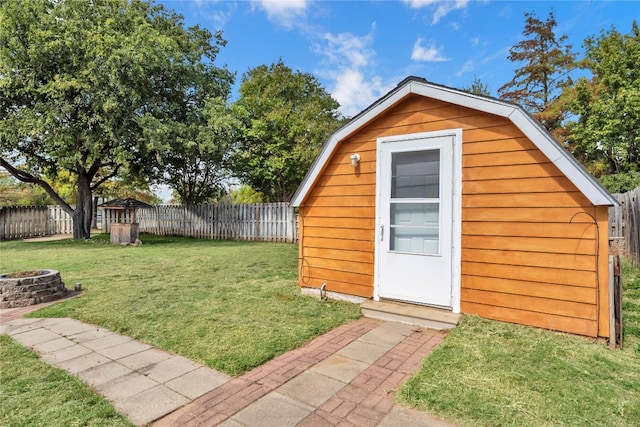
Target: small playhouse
437,197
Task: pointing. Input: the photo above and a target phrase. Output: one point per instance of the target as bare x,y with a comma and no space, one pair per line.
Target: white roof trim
574,171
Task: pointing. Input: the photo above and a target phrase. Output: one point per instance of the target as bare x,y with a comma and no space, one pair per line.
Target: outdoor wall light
355,159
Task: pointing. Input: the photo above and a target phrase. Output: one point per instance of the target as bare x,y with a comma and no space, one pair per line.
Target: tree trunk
94,217
83,213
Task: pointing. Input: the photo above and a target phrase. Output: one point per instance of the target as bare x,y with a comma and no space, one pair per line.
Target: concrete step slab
340,368
273,410
311,388
64,354
411,314
150,405
34,337
198,382
364,351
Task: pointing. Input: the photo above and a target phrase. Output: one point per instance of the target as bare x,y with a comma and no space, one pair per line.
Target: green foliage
193,141
478,87
119,189
246,194
605,135
546,61
80,82
192,145
15,193
621,182
37,394
286,118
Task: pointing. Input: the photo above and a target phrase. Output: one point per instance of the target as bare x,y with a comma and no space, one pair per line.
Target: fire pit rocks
25,288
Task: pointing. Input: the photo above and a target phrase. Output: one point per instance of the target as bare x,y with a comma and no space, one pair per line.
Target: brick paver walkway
364,400
346,377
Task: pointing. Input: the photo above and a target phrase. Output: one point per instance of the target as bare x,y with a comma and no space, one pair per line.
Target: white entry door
414,218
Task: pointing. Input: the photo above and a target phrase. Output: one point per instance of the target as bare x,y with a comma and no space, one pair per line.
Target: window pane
415,175
415,228
415,214
412,240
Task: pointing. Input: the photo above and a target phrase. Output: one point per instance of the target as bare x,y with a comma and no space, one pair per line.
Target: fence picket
624,221
259,222
269,222
18,222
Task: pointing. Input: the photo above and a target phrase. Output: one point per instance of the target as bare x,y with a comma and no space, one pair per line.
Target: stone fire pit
24,288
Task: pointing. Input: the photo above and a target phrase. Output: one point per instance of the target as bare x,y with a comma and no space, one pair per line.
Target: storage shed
438,197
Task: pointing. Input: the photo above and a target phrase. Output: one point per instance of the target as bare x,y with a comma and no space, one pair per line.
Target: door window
415,202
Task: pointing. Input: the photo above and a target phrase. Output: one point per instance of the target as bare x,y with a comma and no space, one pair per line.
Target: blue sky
359,50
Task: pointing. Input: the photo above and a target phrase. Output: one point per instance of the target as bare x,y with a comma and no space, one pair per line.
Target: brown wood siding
529,241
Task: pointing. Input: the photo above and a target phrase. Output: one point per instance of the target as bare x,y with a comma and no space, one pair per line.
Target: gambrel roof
563,160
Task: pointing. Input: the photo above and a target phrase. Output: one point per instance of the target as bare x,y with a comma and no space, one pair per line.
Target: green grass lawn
230,305
234,305
489,373
32,393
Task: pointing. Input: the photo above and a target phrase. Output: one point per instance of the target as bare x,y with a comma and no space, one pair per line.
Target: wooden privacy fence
272,222
20,222
624,221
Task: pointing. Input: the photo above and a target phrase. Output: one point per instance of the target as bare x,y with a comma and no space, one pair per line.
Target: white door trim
456,226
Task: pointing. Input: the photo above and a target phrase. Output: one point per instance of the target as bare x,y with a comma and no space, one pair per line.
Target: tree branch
28,178
105,178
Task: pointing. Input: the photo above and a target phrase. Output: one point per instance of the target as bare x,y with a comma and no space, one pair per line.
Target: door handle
381,232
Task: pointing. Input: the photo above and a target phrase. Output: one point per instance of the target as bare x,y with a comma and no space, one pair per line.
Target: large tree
78,82
546,63
194,144
606,133
287,116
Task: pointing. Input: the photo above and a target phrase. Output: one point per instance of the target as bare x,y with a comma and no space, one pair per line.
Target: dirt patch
21,274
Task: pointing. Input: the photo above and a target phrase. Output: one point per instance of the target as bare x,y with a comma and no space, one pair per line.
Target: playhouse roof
126,203
567,164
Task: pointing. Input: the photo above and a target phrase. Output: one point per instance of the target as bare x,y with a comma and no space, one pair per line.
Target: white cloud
286,13
220,17
441,7
447,6
427,54
347,48
418,4
498,54
355,92
348,61
506,12
467,67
